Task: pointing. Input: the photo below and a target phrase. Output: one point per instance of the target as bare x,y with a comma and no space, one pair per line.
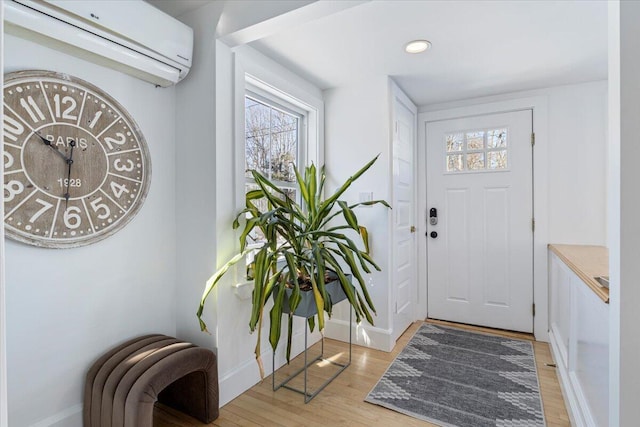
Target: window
279,123
477,150
273,145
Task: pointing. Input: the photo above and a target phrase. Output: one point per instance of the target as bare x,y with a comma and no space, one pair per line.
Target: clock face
76,166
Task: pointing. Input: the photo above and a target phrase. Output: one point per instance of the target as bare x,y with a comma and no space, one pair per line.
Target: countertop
587,262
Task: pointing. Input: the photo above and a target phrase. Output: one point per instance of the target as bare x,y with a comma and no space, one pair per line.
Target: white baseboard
244,376
240,379
70,417
577,407
364,335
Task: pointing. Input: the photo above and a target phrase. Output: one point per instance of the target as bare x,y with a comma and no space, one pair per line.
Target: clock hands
53,147
72,143
68,160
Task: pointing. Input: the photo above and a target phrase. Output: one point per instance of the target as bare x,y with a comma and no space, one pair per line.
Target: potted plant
306,247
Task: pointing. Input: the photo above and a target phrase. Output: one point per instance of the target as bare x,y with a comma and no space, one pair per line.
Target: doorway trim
539,106
397,95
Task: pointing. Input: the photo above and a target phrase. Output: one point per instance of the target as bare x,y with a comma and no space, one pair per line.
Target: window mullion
464,152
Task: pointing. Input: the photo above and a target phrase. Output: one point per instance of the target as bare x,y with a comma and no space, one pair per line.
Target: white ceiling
479,47
178,7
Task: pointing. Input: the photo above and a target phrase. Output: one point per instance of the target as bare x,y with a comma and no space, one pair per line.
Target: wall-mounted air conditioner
131,36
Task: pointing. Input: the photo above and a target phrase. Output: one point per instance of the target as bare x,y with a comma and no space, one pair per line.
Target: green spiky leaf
300,239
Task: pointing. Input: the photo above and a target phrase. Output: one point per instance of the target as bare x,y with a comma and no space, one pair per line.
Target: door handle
413,229
434,234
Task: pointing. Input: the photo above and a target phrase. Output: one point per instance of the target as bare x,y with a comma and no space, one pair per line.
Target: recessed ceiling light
417,46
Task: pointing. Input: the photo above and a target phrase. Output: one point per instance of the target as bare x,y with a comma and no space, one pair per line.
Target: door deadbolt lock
433,216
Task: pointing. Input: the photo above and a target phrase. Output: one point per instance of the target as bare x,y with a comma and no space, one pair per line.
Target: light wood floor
342,402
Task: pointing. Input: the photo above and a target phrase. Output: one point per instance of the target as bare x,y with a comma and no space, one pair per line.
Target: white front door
404,236
479,190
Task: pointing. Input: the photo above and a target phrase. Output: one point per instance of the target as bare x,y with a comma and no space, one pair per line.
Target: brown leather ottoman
123,385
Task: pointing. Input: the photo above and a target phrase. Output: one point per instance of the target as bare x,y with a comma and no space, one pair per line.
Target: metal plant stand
308,395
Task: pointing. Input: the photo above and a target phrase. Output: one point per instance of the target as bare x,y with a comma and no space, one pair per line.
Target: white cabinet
579,334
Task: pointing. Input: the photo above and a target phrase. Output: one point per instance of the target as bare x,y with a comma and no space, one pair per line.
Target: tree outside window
271,147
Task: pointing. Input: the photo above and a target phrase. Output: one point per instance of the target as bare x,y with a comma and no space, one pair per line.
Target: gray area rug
452,377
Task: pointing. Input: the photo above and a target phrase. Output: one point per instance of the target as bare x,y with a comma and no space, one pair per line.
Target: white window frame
278,103
257,74
272,100
311,138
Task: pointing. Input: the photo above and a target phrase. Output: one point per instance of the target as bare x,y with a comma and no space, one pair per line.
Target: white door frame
398,95
539,105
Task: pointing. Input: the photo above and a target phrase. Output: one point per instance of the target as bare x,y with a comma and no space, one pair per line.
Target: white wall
624,211
195,157
65,307
578,164
356,130
577,159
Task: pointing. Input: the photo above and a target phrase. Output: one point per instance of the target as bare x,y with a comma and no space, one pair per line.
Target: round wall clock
76,166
